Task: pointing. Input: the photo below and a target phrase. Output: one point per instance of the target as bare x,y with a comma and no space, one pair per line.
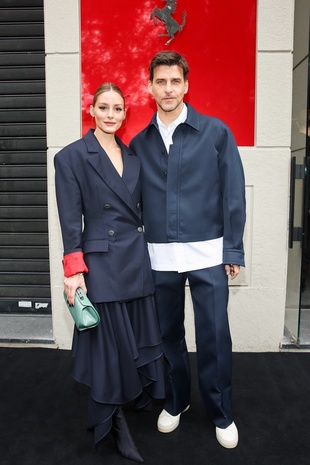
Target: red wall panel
119,39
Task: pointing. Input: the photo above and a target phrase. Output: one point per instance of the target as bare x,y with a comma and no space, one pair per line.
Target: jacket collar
191,120
93,145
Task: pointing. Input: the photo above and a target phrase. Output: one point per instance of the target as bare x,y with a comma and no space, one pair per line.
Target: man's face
168,87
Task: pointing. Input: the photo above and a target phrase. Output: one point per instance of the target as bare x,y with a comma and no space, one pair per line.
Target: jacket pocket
97,245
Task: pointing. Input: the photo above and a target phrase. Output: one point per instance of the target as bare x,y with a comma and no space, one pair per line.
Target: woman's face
109,112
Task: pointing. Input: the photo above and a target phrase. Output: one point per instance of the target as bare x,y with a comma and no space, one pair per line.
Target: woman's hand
71,285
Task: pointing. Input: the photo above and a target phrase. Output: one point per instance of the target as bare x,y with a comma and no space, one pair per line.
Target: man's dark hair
168,58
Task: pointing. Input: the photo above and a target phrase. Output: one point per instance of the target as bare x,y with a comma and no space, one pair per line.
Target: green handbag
83,312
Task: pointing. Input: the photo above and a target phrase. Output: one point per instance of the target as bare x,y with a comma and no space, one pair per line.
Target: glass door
304,311
293,290
298,281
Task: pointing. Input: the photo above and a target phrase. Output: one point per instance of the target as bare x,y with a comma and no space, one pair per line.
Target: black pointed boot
122,437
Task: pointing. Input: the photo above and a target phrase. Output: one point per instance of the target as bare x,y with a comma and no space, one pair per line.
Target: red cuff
74,263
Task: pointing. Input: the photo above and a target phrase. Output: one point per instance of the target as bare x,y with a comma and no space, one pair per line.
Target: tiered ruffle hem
120,360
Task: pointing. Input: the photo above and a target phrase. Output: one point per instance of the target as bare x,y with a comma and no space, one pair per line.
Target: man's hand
232,270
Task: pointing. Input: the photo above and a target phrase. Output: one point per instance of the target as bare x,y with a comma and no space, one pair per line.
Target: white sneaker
167,423
227,437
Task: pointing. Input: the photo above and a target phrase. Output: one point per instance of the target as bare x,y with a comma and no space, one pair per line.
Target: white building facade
258,307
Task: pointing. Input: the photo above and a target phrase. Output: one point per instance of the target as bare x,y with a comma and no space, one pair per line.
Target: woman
98,197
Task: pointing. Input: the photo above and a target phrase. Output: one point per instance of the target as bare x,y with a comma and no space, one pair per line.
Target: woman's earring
124,122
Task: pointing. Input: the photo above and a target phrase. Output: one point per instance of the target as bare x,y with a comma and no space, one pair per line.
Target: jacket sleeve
233,192
69,203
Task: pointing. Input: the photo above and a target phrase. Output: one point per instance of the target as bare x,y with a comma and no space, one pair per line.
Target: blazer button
107,205
139,229
138,206
111,232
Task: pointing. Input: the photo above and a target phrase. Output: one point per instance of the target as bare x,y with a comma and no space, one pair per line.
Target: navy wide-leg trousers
209,291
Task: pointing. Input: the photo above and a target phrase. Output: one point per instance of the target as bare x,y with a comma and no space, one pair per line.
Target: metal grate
24,258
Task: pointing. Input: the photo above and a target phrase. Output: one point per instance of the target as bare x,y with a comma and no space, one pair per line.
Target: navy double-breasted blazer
100,216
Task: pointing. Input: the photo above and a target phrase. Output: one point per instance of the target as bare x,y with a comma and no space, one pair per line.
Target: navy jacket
100,215
197,192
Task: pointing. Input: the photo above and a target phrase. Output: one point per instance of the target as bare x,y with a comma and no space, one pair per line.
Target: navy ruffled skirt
120,360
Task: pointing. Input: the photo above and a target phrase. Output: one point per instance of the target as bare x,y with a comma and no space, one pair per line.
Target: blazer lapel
131,171
104,167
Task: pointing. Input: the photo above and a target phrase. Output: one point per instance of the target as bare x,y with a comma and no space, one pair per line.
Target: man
194,214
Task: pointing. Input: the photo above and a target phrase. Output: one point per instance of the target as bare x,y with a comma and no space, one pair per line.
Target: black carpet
42,415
